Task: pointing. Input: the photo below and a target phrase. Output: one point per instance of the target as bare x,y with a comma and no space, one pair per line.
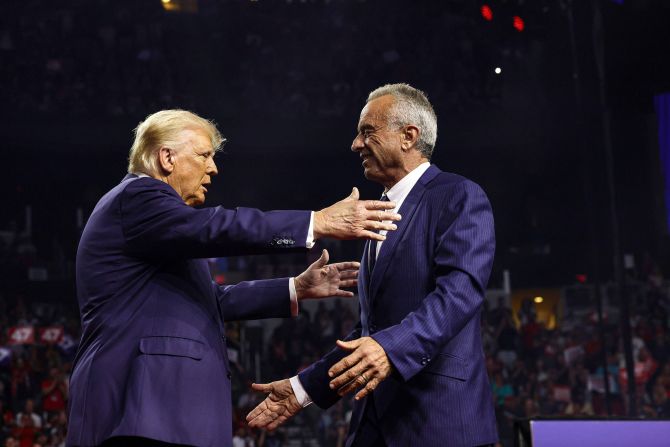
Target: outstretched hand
321,280
351,218
366,367
278,406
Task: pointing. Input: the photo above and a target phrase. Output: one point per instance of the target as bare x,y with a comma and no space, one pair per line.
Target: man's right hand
277,407
352,218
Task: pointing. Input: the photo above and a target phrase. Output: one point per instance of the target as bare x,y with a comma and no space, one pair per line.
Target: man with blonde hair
152,366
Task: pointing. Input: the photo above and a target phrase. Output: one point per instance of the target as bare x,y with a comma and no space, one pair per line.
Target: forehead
376,110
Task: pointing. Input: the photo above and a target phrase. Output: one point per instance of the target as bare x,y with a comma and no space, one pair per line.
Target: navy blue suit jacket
153,360
422,305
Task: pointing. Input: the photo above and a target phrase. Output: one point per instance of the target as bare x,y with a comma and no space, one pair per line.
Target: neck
407,167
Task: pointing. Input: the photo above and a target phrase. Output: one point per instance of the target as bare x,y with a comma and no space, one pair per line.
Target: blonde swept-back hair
162,129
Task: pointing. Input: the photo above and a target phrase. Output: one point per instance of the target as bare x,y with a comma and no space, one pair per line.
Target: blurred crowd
34,375
535,370
124,57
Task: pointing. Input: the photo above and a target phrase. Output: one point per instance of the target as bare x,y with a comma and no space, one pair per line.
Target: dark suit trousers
368,433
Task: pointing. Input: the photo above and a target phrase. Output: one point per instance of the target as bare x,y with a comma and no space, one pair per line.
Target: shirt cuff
294,297
300,394
310,232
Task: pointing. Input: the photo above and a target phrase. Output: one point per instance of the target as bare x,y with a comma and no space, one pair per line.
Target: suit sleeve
252,300
314,379
463,257
157,223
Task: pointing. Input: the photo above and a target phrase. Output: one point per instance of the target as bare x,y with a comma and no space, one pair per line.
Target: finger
260,408
365,234
354,194
260,422
344,364
345,284
355,371
343,294
262,387
377,225
378,205
379,220
367,389
323,260
379,216
351,265
348,388
348,345
355,374
348,274
266,415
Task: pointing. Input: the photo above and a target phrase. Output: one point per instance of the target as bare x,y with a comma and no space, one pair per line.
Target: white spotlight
498,70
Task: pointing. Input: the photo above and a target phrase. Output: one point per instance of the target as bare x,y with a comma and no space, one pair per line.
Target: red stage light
487,12
518,23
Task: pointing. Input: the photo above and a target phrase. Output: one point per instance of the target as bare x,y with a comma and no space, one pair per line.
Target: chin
371,175
195,201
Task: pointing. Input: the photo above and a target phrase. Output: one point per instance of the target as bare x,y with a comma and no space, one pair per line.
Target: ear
410,137
166,160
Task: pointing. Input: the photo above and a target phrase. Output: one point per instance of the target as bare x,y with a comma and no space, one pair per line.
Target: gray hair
411,106
163,128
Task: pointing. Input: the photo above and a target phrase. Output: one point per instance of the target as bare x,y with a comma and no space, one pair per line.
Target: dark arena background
559,109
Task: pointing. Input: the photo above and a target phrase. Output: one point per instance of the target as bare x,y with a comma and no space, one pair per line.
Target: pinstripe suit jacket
422,305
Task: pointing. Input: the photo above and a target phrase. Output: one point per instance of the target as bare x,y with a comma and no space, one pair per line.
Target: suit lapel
407,210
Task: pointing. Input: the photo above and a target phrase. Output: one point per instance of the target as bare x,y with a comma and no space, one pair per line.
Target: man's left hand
365,367
321,280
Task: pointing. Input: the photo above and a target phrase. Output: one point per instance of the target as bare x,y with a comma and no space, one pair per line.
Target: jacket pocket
449,366
175,346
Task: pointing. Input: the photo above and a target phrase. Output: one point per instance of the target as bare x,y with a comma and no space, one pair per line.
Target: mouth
204,188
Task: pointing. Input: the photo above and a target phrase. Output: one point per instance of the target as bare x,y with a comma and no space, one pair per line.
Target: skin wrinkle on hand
321,280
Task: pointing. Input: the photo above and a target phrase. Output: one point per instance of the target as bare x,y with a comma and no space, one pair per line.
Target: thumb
349,345
262,387
323,260
354,194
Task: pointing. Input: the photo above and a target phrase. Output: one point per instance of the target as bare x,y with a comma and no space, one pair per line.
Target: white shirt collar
400,190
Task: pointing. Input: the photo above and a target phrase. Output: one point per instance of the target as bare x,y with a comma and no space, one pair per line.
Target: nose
357,144
211,167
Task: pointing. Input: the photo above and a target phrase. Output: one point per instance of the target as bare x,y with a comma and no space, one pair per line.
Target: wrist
319,224
299,287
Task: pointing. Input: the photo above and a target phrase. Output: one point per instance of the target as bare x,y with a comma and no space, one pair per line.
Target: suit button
423,362
224,338
228,375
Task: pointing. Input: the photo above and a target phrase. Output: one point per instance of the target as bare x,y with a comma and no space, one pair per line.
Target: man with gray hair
416,356
152,367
